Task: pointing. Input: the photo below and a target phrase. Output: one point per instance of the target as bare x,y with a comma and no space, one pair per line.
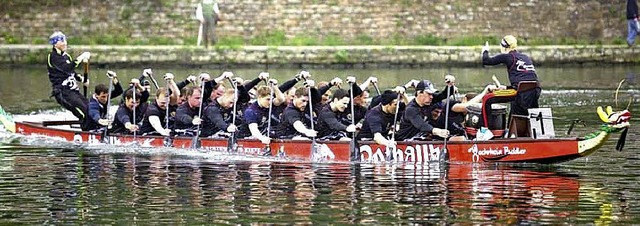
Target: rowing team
246,109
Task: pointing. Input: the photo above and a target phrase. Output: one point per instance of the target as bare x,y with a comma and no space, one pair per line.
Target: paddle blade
622,140
314,150
266,151
232,146
195,142
104,138
355,151
389,155
167,142
7,121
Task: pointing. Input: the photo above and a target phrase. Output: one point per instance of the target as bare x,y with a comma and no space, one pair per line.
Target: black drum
497,118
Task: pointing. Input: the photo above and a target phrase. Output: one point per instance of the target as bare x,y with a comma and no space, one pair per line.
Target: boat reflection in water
170,189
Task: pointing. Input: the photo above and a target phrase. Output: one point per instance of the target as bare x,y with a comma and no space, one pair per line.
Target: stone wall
316,57
32,21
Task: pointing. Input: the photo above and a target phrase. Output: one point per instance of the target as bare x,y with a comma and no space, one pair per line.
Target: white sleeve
216,9
255,131
155,122
199,15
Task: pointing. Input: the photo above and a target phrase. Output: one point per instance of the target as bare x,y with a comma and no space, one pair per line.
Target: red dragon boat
520,149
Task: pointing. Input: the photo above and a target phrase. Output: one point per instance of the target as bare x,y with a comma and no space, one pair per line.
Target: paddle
155,83
86,78
195,141
444,153
231,142
395,124
353,145
375,85
134,110
266,151
314,149
105,132
168,141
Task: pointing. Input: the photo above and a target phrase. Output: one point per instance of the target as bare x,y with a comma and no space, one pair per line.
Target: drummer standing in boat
64,80
520,68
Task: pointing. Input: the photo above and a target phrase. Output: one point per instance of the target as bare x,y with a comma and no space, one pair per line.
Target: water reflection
73,187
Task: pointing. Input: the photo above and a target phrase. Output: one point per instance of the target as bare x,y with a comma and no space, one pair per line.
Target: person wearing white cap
520,69
63,78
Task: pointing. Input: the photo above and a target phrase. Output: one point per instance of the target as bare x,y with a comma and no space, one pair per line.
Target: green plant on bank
278,38
342,56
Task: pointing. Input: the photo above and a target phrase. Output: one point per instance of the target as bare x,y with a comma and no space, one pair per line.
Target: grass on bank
278,38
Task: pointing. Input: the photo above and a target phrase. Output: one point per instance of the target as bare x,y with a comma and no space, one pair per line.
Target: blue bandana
56,37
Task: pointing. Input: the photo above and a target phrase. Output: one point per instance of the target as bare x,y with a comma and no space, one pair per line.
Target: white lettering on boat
498,151
411,153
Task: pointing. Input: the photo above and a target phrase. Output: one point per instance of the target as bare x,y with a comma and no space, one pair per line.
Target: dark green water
120,186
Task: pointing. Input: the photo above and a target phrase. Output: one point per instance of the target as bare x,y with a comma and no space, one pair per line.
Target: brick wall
378,19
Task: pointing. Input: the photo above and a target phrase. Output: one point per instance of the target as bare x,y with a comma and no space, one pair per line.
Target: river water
49,182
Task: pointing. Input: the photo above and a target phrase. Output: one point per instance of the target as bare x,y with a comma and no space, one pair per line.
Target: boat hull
498,150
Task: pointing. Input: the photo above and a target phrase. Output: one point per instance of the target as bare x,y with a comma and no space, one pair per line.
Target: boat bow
613,122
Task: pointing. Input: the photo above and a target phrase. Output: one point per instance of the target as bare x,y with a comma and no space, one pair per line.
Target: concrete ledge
317,56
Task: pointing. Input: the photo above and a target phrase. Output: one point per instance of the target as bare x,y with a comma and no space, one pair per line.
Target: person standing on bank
208,14
64,80
520,68
632,22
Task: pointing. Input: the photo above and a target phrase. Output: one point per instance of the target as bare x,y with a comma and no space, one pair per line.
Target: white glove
223,76
390,144
191,79
165,132
265,140
227,74
449,79
111,74
485,48
196,121
351,128
131,127
490,88
502,87
440,132
273,82
310,133
232,128
104,122
373,79
263,76
84,57
399,89
147,72
135,82
310,83
336,81
303,75
169,76
237,80
351,79
412,83
205,77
